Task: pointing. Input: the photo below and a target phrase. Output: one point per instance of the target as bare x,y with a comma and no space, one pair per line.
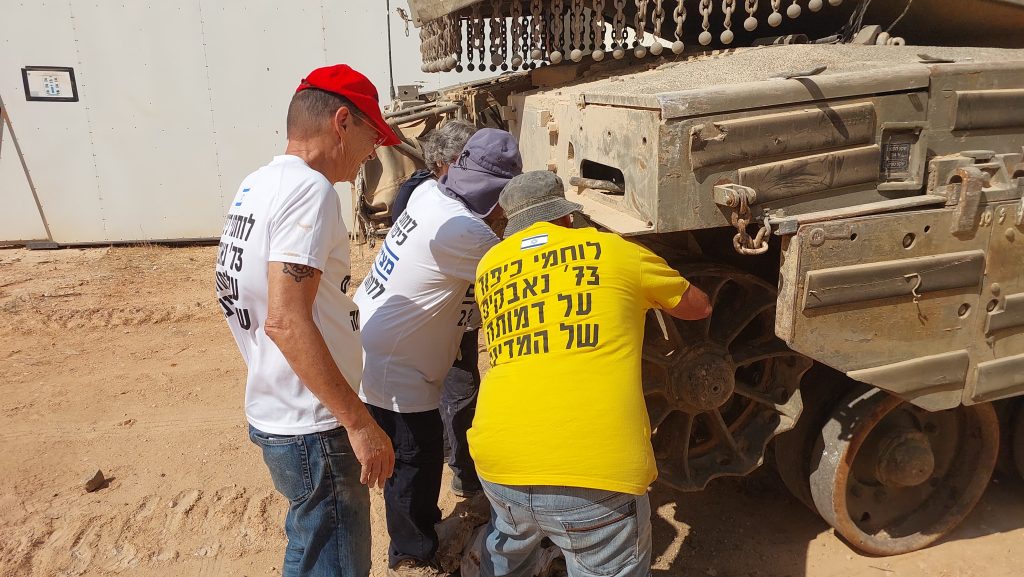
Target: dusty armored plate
710,84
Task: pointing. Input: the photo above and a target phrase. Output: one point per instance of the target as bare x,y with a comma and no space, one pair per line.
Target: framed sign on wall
50,83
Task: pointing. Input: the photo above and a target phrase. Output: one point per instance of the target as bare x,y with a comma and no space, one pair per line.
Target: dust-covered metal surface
924,304
858,132
665,87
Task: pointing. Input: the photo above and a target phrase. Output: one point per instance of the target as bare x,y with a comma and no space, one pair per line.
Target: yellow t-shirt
563,311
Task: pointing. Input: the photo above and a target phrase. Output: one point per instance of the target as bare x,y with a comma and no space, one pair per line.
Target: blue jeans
602,533
328,522
410,495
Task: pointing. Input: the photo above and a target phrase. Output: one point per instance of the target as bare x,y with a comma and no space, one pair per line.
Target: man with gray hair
441,147
561,439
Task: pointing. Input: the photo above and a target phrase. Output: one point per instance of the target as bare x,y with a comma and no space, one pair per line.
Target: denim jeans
410,495
602,533
328,521
458,406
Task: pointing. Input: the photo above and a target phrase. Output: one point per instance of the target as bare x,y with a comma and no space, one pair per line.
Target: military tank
844,179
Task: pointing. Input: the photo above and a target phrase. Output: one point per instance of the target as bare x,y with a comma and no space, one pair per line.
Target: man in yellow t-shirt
561,437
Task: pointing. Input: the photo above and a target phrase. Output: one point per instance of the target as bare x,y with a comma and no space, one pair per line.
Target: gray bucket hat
533,197
490,159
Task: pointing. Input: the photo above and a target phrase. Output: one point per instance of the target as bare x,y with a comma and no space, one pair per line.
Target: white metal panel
19,216
257,52
145,81
178,102
54,136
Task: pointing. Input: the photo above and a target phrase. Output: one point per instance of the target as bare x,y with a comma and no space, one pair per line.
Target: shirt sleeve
661,285
458,251
304,224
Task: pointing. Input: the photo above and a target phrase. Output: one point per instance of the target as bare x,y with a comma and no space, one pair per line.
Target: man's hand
374,452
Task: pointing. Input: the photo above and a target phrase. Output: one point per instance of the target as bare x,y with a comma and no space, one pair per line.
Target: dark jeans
328,521
410,495
458,406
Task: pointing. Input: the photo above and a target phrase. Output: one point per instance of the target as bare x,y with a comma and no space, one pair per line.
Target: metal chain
657,18
743,243
536,21
591,37
495,44
750,24
439,45
776,17
423,47
503,43
517,14
440,39
436,40
524,31
458,44
705,12
575,26
728,7
640,25
470,44
598,24
431,42
794,10
425,44
619,30
558,34
578,42
679,15
481,38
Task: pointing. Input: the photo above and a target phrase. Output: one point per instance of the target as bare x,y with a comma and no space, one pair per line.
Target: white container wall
176,104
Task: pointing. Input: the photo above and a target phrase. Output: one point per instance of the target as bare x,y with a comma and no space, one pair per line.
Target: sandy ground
119,359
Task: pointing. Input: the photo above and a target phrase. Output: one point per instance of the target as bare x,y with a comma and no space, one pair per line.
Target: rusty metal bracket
729,195
739,198
596,184
965,216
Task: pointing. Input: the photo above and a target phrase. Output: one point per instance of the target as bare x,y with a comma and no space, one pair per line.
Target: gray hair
443,145
311,109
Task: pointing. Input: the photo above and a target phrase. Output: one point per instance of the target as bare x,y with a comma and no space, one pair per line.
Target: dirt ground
119,359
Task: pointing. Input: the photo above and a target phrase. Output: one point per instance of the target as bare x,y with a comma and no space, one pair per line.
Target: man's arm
693,306
291,291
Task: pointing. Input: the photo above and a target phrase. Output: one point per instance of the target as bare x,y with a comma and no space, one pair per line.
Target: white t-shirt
411,302
286,212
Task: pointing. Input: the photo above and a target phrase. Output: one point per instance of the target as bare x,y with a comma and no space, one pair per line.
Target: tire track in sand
154,531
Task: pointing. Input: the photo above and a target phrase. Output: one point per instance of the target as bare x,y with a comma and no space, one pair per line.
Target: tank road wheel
719,389
1017,438
822,388
893,478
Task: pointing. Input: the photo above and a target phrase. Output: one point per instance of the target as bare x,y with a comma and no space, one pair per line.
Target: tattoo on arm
299,272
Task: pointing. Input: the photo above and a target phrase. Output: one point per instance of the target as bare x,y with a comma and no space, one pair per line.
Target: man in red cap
282,277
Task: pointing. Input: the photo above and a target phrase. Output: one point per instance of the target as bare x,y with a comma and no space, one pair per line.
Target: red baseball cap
342,80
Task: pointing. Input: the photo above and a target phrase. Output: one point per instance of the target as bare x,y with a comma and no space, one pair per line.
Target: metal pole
391,69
